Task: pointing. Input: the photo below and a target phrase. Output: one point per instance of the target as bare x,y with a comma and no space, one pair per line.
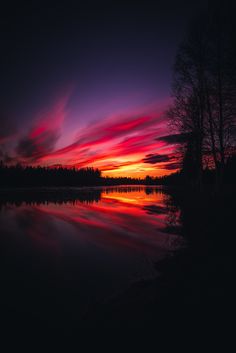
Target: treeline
19,176
122,181
204,93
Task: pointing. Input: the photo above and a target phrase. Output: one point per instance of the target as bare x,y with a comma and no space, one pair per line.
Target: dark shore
189,299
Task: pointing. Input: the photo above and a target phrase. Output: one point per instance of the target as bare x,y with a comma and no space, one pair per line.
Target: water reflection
72,195
88,244
136,217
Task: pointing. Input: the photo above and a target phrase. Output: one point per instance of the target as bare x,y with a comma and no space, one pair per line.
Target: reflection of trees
66,195
173,214
169,208
127,189
36,197
149,190
121,189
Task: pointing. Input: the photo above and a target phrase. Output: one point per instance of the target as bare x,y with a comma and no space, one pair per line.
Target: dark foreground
190,304
187,304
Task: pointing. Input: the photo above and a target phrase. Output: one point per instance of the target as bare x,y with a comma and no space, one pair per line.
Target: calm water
65,251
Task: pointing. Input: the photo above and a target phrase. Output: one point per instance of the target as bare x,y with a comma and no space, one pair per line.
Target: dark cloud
156,158
44,134
32,149
7,128
173,166
174,138
5,158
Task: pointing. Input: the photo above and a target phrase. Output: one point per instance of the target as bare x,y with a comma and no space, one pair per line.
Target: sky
88,85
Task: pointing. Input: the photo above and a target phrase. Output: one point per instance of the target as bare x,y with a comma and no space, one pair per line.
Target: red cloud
104,144
112,130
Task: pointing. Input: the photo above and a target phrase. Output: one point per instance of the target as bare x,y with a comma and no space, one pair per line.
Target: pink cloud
109,144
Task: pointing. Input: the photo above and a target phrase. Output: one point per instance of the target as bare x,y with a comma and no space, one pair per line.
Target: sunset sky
88,85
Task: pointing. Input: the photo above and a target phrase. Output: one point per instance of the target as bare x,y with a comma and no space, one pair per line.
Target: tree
204,91
187,112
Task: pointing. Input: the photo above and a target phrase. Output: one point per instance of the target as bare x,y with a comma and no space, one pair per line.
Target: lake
65,251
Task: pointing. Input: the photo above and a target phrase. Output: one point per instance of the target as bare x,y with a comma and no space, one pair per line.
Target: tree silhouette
204,91
42,176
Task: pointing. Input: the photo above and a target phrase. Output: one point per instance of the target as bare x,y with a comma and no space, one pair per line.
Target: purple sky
68,70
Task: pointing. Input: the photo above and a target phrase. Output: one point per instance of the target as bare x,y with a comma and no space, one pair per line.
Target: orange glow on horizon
137,171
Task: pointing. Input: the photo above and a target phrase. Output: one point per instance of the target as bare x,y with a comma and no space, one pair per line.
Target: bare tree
204,91
187,112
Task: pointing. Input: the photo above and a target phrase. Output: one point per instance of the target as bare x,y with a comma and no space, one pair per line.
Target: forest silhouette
19,176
